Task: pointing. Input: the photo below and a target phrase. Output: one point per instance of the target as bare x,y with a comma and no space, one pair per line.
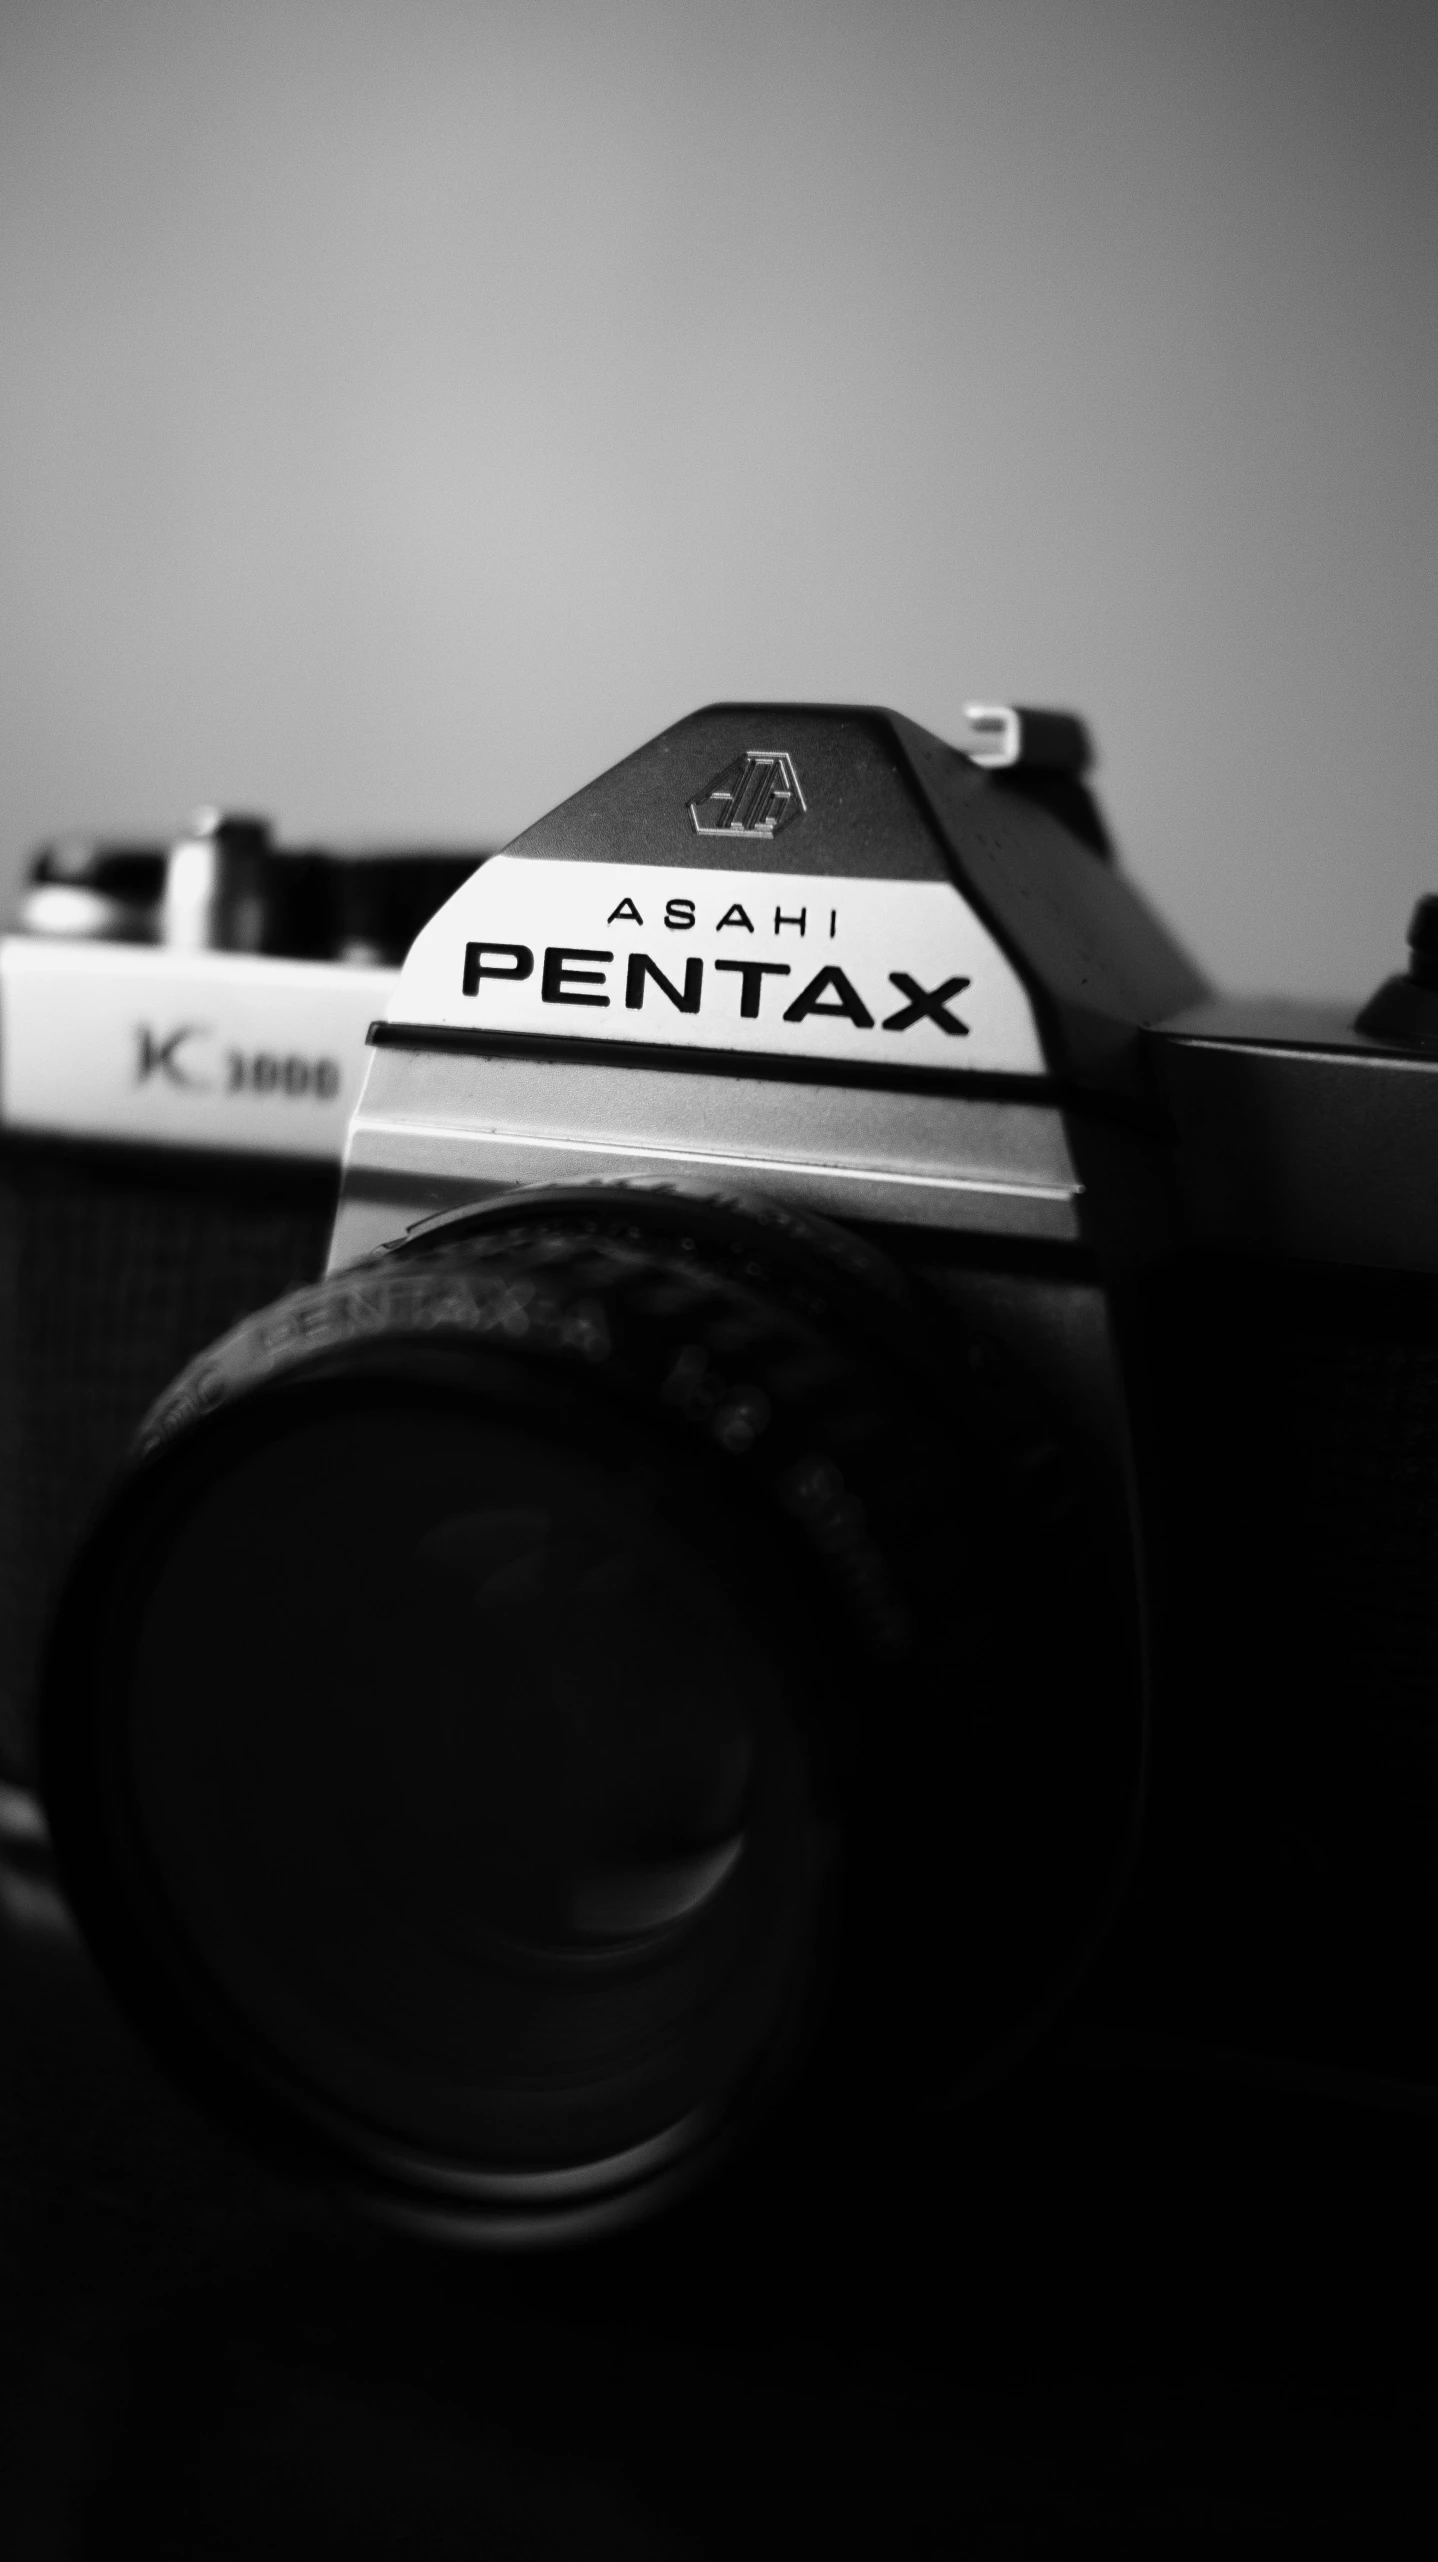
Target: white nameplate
816,967
183,1049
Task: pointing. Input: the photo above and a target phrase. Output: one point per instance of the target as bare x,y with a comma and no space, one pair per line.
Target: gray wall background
409,407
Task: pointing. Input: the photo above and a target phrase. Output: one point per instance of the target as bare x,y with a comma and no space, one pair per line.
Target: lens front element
484,1814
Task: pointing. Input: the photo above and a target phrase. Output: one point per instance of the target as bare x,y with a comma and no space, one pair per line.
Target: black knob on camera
93,889
1405,1010
215,884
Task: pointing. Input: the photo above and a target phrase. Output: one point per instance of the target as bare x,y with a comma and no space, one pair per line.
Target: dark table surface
1126,2313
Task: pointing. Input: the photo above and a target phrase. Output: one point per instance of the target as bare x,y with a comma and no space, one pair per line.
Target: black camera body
859,1477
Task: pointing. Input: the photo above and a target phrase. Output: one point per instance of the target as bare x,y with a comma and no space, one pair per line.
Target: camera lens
551,1696
468,1787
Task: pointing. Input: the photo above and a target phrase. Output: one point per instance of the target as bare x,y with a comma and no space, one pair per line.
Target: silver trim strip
757,1167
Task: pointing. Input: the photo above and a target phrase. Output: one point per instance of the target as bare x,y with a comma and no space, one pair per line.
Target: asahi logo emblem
754,797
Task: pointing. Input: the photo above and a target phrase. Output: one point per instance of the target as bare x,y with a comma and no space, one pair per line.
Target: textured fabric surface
1130,2318
113,1272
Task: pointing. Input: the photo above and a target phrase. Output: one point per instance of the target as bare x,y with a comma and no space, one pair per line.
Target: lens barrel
552,1694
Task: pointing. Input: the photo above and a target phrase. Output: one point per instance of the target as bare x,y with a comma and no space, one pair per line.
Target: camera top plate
209,997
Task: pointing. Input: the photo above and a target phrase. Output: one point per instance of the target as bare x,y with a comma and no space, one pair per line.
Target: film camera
862,1473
